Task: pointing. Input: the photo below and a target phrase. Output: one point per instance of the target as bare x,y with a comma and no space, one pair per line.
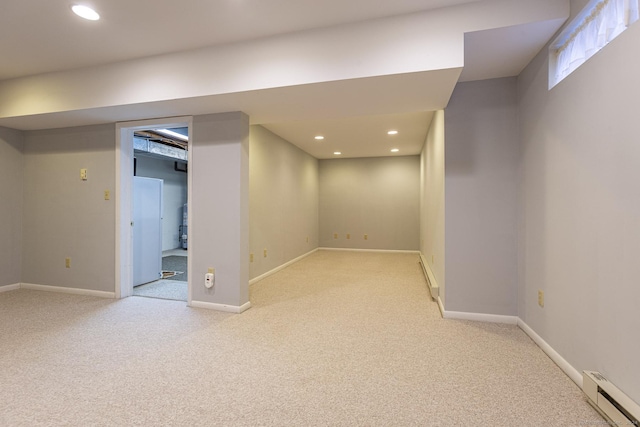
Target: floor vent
609,400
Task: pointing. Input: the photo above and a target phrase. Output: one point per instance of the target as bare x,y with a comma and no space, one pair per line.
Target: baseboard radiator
609,400
433,289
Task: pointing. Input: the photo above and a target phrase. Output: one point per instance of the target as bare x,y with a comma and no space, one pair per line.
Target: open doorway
160,213
153,234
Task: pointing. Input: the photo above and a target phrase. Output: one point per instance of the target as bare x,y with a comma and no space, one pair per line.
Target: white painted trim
566,367
124,169
387,251
440,306
75,291
123,205
281,267
7,288
221,307
190,284
480,317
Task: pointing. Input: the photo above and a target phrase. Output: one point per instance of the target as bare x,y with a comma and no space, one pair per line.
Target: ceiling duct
154,136
157,149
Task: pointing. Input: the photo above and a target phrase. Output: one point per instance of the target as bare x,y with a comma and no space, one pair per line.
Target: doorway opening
154,196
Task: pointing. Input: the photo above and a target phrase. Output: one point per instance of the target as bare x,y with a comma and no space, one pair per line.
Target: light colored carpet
164,288
337,339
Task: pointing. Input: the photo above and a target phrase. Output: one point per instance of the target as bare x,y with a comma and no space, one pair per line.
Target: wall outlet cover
541,298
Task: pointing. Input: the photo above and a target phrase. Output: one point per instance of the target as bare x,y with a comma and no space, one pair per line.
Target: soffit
44,36
354,112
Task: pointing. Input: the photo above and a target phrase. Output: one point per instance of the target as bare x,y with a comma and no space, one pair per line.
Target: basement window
592,29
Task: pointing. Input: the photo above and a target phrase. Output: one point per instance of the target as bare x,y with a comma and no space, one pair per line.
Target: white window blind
600,22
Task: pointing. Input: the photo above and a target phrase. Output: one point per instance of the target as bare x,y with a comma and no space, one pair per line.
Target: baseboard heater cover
433,289
609,400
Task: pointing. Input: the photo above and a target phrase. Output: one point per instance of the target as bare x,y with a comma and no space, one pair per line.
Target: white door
147,230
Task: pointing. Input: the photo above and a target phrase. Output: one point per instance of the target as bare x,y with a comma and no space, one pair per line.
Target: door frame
124,194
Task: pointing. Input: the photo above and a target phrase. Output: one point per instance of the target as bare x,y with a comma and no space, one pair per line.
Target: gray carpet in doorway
177,264
163,289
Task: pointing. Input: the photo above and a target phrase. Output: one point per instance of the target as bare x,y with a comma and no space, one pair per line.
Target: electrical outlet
366,237
67,262
250,257
265,253
335,235
348,236
541,298
83,174
107,194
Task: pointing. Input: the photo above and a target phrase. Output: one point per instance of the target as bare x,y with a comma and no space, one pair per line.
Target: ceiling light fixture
319,137
392,132
337,153
85,12
394,150
172,134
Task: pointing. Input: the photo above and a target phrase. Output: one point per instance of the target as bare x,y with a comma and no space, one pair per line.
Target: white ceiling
42,36
39,37
352,136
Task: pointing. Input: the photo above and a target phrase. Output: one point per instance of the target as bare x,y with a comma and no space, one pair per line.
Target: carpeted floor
337,339
173,287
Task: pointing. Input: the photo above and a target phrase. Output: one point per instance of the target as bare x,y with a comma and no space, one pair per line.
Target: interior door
147,230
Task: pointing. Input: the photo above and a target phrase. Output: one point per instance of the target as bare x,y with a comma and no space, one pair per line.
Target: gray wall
432,212
11,211
220,208
481,184
580,210
65,216
283,201
377,196
174,195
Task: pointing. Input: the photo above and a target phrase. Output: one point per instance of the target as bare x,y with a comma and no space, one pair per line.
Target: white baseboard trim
480,317
7,288
566,367
385,251
280,267
74,291
221,307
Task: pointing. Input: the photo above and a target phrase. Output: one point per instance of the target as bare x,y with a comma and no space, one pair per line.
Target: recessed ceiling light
337,153
392,132
394,150
319,137
85,12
